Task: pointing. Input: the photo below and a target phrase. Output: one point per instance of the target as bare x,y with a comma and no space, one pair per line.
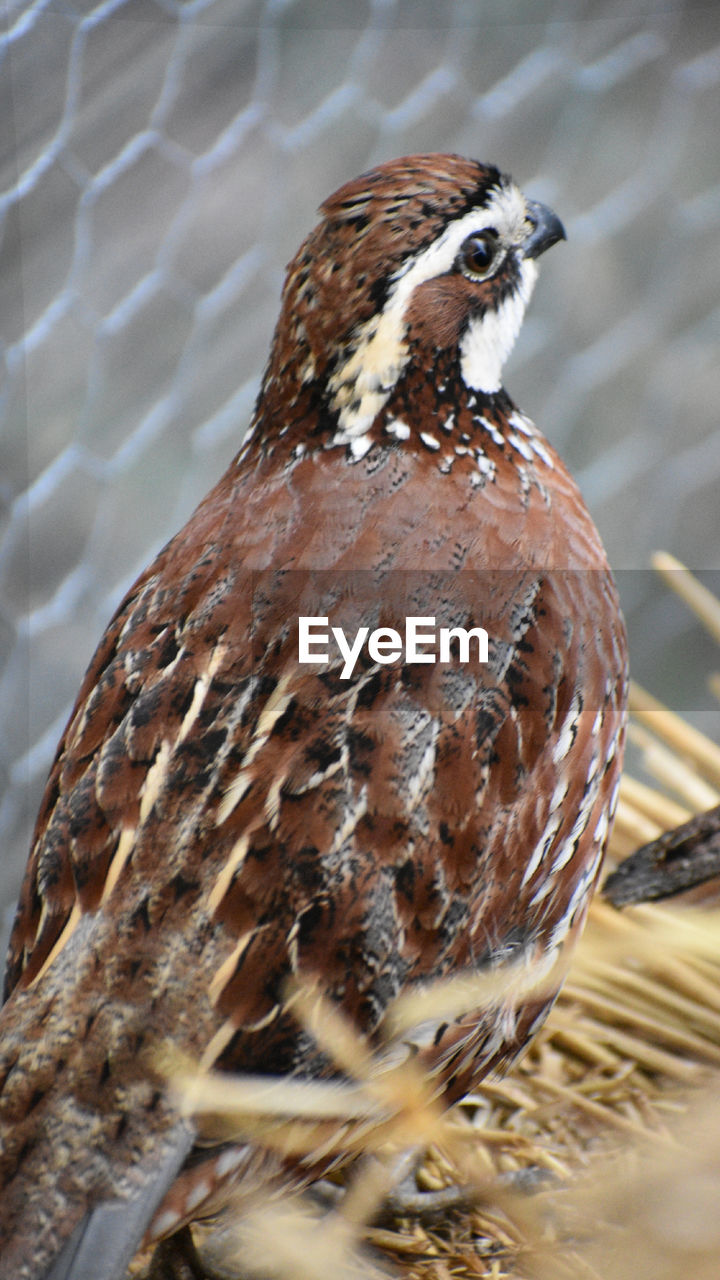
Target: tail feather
104,1242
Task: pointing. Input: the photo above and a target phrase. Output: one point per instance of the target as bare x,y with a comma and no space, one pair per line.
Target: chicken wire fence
162,160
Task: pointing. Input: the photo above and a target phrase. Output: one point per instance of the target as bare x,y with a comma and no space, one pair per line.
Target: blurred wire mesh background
161,162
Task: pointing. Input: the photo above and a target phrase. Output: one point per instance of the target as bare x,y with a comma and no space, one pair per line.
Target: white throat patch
362,384
489,339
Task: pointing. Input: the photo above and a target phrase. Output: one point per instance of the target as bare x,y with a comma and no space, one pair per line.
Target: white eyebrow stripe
506,212
361,386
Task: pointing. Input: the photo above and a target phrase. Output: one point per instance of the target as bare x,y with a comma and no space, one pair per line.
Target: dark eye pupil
478,252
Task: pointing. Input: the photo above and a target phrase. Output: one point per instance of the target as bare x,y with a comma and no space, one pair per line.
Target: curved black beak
547,229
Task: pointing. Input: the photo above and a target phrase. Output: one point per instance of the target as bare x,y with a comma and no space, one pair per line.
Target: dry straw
597,1156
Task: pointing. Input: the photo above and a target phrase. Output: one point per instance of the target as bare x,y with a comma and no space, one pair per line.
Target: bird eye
479,252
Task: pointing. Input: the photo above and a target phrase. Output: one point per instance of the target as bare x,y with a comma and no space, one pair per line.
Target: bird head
422,259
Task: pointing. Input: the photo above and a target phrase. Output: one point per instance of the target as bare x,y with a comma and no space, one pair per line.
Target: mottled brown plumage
220,816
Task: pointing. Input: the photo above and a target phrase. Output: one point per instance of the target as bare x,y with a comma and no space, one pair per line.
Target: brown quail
222,815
